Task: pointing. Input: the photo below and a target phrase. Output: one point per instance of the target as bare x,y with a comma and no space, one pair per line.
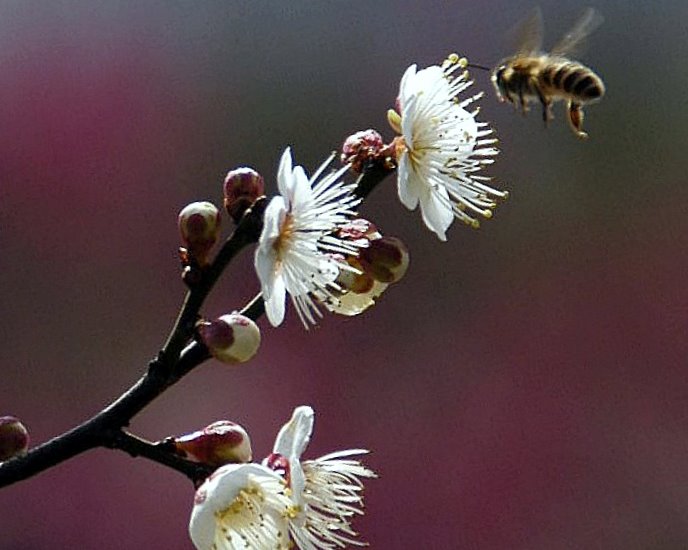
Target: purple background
525,385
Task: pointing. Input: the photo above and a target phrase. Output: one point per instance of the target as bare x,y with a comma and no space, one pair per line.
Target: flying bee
532,74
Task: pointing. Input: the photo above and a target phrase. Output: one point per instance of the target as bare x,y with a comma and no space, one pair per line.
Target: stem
159,452
173,362
177,358
372,175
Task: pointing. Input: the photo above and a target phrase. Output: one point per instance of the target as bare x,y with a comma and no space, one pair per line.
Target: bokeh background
524,387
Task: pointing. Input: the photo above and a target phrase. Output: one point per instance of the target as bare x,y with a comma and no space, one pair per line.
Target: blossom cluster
284,500
316,249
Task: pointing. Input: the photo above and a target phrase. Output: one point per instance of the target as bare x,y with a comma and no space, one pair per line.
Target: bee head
499,82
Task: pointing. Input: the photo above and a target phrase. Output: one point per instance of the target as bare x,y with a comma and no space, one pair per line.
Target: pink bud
231,339
386,259
199,226
360,148
241,188
14,438
221,442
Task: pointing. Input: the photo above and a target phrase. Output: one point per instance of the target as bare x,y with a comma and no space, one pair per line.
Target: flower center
286,233
244,508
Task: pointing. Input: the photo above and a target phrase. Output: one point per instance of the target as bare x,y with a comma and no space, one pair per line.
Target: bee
532,74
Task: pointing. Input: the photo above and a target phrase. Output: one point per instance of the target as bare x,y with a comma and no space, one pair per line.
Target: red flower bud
241,188
14,438
231,339
360,148
221,442
199,226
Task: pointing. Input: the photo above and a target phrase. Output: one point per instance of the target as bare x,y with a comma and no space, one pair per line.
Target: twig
177,358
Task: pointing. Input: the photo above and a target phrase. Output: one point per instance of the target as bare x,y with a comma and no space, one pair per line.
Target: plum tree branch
179,356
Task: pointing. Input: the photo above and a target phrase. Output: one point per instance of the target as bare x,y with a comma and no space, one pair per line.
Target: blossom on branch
441,148
284,503
295,251
327,491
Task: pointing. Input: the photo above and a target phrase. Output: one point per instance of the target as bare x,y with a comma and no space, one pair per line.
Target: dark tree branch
179,356
158,452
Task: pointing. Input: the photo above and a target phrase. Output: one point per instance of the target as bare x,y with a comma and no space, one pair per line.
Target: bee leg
546,104
522,102
576,119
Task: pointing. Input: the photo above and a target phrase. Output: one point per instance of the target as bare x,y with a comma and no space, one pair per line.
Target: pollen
286,233
292,512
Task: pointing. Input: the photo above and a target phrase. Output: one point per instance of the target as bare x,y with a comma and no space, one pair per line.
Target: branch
177,358
159,452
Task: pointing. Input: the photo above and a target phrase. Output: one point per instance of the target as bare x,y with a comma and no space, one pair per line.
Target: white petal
437,212
301,192
275,304
407,185
294,436
273,218
291,442
405,90
284,174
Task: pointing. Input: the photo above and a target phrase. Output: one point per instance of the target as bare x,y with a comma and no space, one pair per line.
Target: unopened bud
232,339
199,225
386,259
360,148
14,438
221,442
241,188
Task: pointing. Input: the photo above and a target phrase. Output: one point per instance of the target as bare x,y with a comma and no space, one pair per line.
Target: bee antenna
481,67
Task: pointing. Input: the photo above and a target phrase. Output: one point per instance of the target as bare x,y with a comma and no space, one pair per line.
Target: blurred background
523,387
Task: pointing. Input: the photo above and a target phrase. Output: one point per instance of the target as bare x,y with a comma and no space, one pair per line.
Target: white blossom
241,506
327,492
442,148
298,234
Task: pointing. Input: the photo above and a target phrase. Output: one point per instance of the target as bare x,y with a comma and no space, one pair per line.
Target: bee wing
573,40
526,36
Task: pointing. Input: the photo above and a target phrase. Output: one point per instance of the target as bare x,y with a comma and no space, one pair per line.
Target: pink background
524,387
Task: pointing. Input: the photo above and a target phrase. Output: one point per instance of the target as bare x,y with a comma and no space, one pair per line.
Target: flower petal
437,212
407,184
212,514
284,175
294,436
275,304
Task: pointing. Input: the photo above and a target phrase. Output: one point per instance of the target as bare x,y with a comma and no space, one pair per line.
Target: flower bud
360,148
241,188
221,442
14,438
199,225
232,338
385,259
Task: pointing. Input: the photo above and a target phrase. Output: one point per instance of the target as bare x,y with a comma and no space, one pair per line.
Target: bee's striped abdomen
574,80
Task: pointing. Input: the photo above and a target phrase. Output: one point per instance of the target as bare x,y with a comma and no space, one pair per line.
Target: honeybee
532,74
